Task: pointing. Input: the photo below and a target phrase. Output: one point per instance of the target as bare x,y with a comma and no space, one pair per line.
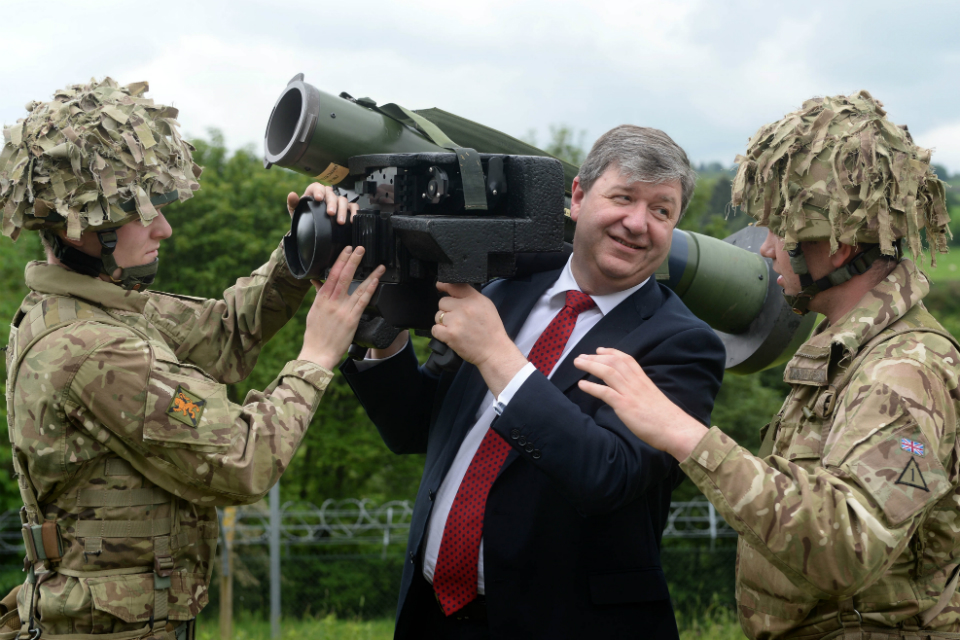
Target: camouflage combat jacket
858,497
121,425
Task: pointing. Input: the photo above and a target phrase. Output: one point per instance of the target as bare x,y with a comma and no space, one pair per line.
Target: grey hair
643,155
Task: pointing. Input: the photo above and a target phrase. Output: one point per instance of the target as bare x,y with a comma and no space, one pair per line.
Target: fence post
228,521
713,525
275,561
386,533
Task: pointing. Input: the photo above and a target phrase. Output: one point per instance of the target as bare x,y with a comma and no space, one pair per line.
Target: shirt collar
605,303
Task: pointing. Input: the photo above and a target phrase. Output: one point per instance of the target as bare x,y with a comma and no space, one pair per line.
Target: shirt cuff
310,372
500,402
369,363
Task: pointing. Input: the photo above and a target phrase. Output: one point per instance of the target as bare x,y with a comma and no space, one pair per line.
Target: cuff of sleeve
712,449
369,363
311,373
500,402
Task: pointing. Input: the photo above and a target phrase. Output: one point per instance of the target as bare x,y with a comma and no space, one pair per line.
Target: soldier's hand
649,414
336,205
335,312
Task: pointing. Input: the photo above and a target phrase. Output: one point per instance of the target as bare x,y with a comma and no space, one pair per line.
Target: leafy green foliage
564,143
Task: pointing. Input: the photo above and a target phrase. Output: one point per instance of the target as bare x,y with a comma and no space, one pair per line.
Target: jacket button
522,441
514,433
529,447
536,454
431,494
412,561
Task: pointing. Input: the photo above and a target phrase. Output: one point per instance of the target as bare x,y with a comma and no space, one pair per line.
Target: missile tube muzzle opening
291,124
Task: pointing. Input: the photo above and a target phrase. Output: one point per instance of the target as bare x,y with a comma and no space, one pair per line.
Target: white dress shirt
543,312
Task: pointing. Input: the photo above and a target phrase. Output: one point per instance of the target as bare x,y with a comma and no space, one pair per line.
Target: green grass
328,628
718,624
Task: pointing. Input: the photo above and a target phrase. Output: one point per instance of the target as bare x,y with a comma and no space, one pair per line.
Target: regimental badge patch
912,477
911,446
186,407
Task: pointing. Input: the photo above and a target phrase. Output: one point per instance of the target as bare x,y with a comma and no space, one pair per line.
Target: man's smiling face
624,229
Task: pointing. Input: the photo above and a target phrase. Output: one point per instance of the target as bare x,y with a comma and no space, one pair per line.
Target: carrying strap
162,568
471,171
945,597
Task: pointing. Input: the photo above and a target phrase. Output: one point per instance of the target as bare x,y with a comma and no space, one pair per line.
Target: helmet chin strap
131,278
800,303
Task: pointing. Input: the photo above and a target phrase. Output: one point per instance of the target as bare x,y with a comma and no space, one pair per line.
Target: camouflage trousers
183,631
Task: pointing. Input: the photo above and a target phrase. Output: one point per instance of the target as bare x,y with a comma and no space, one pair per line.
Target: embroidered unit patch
911,446
186,407
912,477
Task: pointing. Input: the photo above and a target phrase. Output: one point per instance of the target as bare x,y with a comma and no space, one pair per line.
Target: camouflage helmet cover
838,169
96,155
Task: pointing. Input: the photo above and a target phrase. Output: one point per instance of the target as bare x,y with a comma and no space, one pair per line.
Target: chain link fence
345,557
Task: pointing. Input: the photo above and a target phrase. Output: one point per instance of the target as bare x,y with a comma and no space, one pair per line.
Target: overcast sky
709,73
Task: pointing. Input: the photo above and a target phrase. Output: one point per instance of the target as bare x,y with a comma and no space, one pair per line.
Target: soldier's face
816,255
624,229
138,244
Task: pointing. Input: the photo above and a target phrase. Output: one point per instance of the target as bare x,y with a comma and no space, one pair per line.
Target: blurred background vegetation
238,217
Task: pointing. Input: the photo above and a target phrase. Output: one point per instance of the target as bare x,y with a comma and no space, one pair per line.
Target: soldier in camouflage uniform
124,439
848,517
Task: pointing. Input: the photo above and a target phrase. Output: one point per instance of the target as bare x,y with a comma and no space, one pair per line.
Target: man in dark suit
539,515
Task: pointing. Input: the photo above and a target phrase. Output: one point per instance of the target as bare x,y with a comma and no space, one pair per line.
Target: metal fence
361,522
346,557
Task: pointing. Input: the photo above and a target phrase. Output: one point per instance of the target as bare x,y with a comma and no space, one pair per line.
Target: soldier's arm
177,426
224,336
835,529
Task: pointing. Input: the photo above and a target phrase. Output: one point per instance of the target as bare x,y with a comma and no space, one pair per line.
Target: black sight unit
421,219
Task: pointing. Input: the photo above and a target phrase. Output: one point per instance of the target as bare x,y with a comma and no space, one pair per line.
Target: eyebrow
669,199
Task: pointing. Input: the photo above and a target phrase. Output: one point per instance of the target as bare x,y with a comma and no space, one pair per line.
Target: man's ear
843,255
576,199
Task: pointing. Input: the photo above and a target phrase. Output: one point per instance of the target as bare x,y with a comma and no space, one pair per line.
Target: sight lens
306,238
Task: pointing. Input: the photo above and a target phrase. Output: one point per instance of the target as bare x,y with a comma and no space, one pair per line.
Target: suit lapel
612,328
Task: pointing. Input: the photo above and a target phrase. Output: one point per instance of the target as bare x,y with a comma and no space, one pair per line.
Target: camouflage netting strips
77,160
838,169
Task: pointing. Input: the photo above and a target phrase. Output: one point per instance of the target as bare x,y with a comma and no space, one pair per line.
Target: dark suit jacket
573,522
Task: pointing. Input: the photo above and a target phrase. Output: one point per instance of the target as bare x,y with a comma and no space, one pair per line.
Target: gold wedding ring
440,317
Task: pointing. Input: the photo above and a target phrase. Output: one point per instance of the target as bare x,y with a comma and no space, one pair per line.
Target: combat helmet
97,156
837,169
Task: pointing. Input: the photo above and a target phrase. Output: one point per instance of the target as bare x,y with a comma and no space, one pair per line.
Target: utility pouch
42,542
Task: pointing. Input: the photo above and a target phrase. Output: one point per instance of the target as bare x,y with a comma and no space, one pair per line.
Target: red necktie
455,576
